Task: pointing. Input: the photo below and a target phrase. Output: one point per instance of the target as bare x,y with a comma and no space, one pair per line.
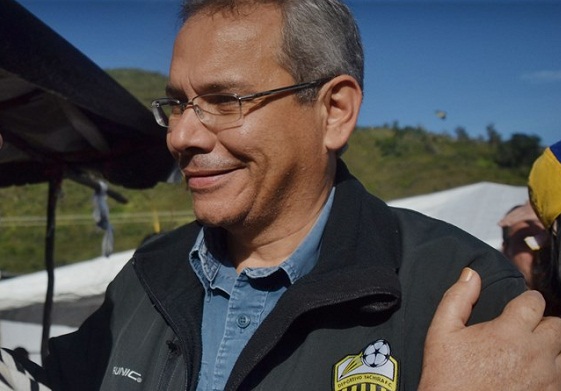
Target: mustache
206,162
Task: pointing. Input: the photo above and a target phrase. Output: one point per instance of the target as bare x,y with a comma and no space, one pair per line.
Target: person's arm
519,350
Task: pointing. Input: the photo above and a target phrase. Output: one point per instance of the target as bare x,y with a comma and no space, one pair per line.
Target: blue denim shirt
235,305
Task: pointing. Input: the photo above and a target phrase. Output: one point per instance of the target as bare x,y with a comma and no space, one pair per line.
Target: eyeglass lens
211,109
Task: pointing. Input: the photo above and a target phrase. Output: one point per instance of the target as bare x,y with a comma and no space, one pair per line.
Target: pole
54,192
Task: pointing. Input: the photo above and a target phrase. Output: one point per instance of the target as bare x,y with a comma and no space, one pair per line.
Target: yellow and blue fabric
544,185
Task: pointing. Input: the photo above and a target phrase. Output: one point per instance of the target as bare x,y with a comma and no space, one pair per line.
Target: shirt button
243,321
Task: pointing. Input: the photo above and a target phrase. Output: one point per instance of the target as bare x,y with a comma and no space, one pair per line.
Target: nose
189,135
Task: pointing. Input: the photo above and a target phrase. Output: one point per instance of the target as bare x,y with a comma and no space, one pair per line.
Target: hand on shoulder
519,350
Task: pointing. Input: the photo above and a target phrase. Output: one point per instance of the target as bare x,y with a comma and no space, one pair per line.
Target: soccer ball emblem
376,354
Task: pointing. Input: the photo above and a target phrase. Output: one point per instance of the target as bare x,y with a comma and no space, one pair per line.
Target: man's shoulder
417,228
433,247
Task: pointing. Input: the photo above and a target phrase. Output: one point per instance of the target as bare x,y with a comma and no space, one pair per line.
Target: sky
482,62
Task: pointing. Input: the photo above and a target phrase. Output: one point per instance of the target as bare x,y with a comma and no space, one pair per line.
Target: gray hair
320,37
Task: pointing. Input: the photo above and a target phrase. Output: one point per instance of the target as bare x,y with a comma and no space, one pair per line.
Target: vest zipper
174,352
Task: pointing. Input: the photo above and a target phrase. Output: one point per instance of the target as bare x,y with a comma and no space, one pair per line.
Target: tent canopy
61,113
79,291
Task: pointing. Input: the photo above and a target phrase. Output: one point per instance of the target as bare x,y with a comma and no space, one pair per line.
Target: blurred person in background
523,236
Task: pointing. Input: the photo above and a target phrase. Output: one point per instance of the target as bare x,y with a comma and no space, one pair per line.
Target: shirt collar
306,255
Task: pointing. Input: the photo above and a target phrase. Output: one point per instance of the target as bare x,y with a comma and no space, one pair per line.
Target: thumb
455,307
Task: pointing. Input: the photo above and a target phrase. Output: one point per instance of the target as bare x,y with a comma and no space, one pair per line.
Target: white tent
27,335
79,289
475,208
72,283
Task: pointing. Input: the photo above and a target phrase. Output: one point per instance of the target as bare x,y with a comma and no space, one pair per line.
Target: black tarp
60,112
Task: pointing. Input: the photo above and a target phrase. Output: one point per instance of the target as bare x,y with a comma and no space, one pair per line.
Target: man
523,236
293,276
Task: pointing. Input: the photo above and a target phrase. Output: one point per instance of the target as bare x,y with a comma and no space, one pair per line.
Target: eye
221,99
219,103
170,109
176,108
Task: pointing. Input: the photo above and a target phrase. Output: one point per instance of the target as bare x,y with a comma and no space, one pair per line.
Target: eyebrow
230,86
175,93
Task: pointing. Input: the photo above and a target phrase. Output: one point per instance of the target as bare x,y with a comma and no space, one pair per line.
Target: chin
213,215
221,208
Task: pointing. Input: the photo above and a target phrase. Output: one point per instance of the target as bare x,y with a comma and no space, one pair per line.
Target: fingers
549,329
525,310
455,307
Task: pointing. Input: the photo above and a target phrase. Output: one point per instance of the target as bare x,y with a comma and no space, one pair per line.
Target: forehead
228,48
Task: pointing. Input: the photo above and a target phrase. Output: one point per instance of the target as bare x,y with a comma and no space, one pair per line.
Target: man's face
518,251
274,164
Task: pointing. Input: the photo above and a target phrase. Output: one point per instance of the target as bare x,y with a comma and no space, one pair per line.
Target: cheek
171,150
275,137
251,143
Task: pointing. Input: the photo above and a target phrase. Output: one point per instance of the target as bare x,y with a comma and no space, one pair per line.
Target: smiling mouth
206,179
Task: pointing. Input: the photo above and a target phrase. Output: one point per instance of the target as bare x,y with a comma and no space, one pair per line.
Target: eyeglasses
218,110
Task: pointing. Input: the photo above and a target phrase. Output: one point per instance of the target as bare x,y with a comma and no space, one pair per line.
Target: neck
270,245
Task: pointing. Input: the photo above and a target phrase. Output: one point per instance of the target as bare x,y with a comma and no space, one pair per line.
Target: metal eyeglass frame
163,120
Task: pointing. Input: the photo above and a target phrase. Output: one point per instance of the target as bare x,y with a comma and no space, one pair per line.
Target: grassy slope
399,164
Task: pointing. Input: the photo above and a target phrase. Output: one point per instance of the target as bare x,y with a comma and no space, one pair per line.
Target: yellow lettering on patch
372,369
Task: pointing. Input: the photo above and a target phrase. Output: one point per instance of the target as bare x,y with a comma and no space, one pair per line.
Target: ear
342,101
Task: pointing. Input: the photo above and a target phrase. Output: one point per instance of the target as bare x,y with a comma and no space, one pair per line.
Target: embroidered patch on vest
373,369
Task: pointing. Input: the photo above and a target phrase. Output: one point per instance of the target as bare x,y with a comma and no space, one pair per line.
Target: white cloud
542,76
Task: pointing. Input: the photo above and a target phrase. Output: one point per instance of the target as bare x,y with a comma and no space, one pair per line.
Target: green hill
392,161
396,163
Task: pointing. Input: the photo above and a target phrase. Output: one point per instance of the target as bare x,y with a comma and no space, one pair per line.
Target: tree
493,137
520,151
462,134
